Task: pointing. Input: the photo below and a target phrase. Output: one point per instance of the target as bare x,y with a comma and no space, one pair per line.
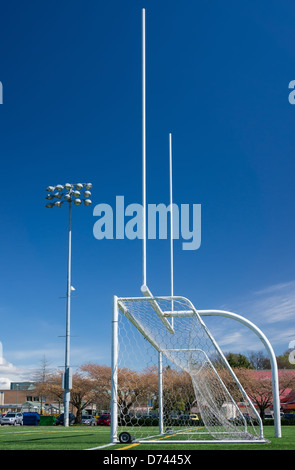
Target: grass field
98,438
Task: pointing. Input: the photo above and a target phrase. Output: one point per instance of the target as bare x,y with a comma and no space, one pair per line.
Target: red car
104,420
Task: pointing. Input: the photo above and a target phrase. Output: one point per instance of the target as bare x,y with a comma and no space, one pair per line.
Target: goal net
171,381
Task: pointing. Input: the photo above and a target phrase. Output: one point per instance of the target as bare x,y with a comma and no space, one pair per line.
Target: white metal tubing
144,146
68,319
171,215
160,386
154,304
271,354
212,441
171,223
114,378
137,325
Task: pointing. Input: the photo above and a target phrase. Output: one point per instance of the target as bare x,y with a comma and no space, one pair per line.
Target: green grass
52,437
82,437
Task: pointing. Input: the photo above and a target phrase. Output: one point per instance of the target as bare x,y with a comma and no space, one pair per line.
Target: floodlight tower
60,194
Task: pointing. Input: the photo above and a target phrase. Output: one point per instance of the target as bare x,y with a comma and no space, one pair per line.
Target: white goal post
173,383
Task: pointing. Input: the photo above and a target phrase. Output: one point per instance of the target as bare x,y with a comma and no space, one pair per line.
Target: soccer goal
170,380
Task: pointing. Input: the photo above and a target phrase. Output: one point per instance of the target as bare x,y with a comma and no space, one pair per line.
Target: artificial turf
50,438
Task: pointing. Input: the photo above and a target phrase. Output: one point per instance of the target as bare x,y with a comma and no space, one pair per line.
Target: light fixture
68,193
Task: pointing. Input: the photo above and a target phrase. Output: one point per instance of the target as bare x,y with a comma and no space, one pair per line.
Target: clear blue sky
217,78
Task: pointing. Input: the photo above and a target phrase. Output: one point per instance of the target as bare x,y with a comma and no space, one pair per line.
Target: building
21,398
12,400
22,385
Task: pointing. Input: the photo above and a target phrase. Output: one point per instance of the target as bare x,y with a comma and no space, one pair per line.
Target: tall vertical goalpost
170,380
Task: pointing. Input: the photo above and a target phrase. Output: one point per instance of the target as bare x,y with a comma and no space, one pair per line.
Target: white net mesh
173,380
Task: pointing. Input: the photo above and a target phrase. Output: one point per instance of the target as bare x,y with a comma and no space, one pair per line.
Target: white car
89,420
12,419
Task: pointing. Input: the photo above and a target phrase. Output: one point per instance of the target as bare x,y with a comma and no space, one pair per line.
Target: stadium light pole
60,194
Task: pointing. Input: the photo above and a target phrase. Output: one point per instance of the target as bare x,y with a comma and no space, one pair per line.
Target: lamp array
67,193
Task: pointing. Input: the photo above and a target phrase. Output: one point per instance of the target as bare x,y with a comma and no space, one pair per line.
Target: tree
238,360
41,378
178,392
82,393
101,379
134,387
284,361
259,361
258,386
51,388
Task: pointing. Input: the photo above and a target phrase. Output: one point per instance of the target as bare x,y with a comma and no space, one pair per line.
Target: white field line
101,447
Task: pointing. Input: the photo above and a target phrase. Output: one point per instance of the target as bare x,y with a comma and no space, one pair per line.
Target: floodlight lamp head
77,202
67,197
68,186
79,186
58,195
57,203
49,196
87,202
49,205
87,193
50,189
88,185
76,193
59,187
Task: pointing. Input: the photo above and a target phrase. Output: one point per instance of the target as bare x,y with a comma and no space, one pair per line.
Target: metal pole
160,387
143,147
68,319
114,378
171,215
171,226
272,357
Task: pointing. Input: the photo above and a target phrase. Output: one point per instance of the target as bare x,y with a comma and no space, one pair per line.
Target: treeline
258,360
92,384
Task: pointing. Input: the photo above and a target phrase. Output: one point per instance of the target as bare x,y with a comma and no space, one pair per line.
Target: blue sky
217,79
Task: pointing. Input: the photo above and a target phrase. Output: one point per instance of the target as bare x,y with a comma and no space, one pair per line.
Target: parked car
247,417
184,417
104,420
89,420
60,419
194,417
12,419
2,416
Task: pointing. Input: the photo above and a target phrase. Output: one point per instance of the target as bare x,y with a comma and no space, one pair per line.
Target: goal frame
118,304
